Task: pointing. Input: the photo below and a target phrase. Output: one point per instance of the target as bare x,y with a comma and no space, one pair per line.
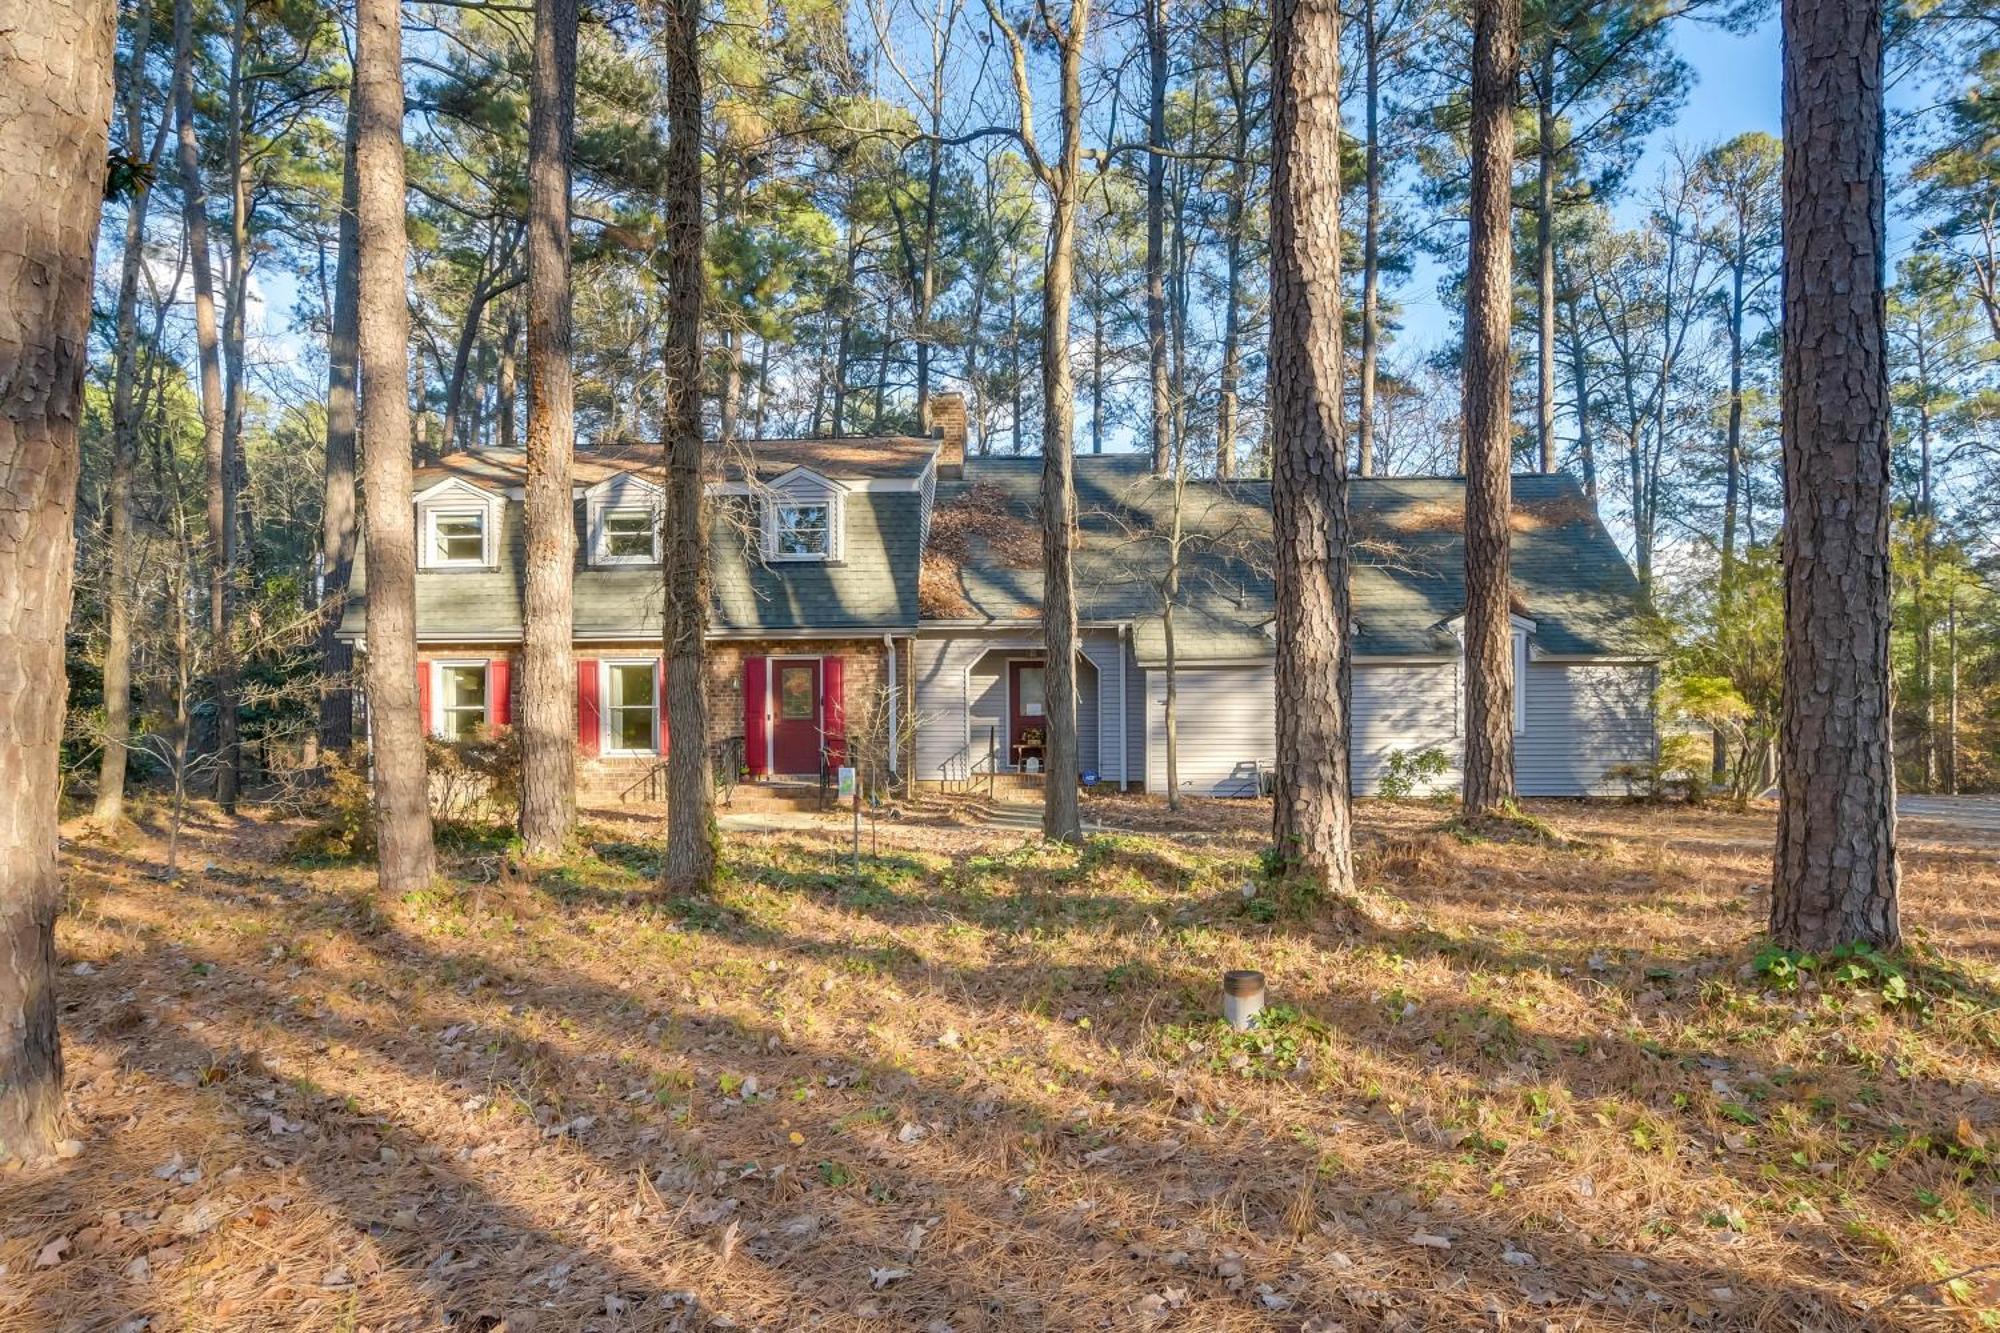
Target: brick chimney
945,419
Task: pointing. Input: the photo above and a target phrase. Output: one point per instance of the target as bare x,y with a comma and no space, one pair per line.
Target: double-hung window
456,538
631,536
632,707
462,699
801,530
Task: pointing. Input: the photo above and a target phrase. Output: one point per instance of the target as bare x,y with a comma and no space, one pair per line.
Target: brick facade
864,683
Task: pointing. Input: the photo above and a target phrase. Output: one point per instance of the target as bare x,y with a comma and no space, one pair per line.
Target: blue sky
1736,90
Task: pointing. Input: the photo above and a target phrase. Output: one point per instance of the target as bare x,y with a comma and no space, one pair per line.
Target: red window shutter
424,698
833,708
660,683
755,741
499,679
588,735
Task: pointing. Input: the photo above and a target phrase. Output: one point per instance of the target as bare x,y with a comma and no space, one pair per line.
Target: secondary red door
1027,715
795,734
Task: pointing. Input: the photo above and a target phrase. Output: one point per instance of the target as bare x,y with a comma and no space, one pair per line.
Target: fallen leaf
52,1253
879,1278
1428,1241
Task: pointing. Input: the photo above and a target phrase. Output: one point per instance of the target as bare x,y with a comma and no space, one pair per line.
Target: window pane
795,693
632,729
632,685
1030,702
629,532
802,529
461,536
465,687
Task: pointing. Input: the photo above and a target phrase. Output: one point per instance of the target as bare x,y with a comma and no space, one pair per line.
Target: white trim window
464,699
631,712
628,535
801,529
457,538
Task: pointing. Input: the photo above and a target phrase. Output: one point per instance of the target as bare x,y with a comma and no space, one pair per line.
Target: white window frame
434,558
778,501
606,731
440,709
602,529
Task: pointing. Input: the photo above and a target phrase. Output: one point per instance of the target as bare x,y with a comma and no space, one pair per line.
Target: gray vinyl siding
1225,722
1582,718
960,686
1406,707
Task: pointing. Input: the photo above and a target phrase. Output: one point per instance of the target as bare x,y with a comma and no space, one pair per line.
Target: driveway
1967,818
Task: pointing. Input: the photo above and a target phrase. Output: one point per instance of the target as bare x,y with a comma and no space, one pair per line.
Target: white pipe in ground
1242,997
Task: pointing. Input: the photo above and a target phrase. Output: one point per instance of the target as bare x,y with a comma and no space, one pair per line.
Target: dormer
622,518
458,526
803,518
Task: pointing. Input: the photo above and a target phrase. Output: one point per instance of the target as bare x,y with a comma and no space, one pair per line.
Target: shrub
478,778
345,829
1407,772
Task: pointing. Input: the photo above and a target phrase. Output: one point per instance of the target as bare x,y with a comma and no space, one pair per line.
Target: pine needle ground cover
980,1085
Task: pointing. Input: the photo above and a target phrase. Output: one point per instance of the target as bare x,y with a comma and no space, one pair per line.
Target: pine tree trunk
1061,816
1311,820
337,516
403,850
236,289
55,120
1489,635
507,390
109,806
1545,254
689,865
1228,408
1835,875
194,213
548,671
1371,242
1156,232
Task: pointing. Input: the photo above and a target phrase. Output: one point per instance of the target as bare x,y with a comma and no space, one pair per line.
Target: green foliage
1406,773
1851,967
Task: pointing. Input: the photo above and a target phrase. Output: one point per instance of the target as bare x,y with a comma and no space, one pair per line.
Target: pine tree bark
55,121
1545,253
109,805
1371,241
235,297
1489,299
689,865
215,458
404,856
1156,232
1062,819
1834,880
1311,821
548,671
337,516
507,389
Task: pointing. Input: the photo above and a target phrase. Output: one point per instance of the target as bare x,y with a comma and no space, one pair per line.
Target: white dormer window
630,537
458,526
624,513
456,538
801,530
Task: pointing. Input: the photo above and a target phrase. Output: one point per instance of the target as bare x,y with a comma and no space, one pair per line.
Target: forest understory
981,1085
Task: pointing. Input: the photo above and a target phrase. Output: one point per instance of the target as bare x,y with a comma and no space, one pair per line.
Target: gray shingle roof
1408,580
871,590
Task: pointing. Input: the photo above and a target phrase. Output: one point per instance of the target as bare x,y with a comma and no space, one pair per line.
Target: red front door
795,732
1027,715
